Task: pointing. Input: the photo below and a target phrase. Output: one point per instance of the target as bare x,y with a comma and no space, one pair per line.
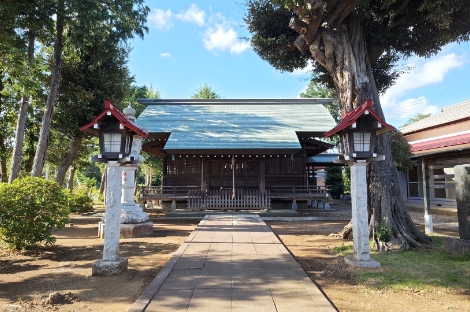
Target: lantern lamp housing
115,133
115,140
358,132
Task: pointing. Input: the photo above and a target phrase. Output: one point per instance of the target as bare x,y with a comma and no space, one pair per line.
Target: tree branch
316,51
341,11
400,9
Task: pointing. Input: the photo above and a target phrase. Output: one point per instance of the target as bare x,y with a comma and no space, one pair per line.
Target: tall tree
79,19
89,76
351,43
205,92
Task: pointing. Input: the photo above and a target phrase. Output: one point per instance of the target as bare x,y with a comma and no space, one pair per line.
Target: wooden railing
166,192
227,199
299,192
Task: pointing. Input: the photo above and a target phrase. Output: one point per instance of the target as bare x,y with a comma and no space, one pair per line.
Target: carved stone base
109,268
366,264
456,246
129,230
131,213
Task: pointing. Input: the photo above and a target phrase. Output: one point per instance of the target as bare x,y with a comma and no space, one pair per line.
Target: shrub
334,179
30,208
383,231
80,201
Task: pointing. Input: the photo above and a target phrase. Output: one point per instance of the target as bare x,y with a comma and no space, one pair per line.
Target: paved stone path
232,263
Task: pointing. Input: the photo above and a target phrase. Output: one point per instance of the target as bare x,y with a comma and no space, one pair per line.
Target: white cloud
424,73
222,37
410,107
160,19
165,55
193,15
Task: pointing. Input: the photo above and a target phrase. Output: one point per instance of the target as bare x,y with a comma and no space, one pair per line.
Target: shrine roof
447,115
235,124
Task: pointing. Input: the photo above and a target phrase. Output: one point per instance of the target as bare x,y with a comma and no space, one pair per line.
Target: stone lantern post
115,132
358,130
134,221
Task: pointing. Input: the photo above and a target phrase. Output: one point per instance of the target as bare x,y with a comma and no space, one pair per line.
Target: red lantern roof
352,116
109,108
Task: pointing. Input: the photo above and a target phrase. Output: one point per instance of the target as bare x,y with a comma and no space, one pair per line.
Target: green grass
419,270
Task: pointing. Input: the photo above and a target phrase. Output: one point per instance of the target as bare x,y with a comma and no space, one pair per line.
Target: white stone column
359,211
130,211
113,212
360,217
112,264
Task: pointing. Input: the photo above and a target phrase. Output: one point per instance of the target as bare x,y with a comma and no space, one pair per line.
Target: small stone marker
462,189
462,180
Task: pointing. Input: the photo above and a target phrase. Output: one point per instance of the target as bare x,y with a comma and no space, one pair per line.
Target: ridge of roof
447,115
314,101
109,107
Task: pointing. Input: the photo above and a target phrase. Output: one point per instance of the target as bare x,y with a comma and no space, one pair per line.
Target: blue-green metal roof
323,159
222,124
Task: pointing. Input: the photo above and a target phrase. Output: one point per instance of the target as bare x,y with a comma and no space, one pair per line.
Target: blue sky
195,42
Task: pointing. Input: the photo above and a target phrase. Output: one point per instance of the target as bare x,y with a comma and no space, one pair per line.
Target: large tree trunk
67,162
22,116
3,159
341,49
73,169
41,150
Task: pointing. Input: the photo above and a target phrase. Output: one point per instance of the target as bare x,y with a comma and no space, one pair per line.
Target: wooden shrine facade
217,158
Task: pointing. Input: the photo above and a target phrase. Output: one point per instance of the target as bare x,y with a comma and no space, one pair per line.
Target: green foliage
334,180
343,249
416,118
392,29
30,208
401,152
271,39
205,92
347,179
79,201
320,91
383,231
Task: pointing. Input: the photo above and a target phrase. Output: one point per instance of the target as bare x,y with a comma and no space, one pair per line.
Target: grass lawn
417,270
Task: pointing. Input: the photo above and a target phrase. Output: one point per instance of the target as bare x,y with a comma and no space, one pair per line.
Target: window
443,182
346,144
361,141
415,182
112,142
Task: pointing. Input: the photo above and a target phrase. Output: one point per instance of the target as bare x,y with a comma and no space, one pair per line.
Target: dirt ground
28,279
311,244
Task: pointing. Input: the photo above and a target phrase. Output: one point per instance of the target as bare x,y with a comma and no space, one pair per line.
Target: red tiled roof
439,143
119,116
351,117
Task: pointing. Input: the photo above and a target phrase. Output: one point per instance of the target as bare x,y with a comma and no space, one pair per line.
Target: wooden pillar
426,196
262,175
204,167
164,169
304,166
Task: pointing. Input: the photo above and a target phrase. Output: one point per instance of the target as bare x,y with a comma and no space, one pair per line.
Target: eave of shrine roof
235,126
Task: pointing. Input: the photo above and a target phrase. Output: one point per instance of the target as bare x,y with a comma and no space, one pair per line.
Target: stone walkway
232,263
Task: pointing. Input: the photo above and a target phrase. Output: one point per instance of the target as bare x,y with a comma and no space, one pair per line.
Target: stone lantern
115,132
358,130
